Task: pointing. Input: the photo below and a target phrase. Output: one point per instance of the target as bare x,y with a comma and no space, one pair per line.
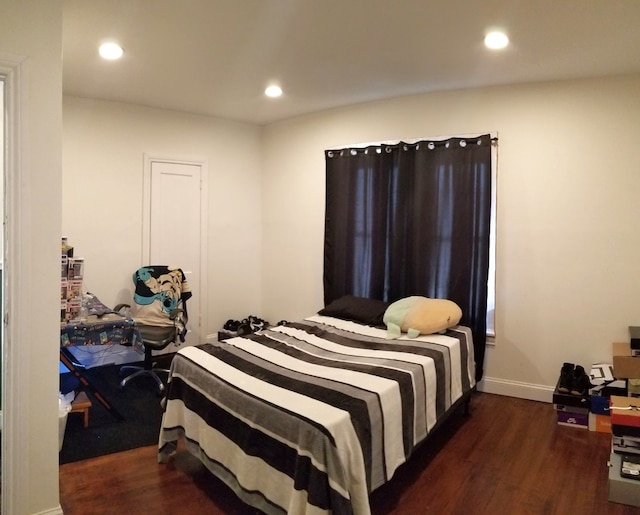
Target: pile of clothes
248,325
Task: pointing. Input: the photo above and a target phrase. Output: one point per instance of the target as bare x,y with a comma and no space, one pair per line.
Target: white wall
568,271
103,148
568,245
1,161
31,37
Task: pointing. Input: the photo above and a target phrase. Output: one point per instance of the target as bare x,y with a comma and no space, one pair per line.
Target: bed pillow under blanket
357,309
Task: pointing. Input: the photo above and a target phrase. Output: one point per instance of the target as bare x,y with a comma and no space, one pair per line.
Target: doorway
174,228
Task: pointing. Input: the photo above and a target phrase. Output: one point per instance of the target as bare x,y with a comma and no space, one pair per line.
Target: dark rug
138,402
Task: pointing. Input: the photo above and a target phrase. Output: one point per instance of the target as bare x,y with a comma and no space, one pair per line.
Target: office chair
159,311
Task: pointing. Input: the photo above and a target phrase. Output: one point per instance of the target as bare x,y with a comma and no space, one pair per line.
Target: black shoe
580,382
244,329
257,323
566,378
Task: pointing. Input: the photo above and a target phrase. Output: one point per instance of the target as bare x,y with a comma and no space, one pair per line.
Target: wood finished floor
508,457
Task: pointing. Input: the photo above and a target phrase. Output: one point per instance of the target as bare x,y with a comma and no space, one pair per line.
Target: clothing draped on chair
160,314
411,219
159,289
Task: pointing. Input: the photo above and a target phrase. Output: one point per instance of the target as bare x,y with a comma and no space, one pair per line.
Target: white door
176,207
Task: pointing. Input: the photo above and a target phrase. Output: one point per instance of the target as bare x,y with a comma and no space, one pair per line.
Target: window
413,219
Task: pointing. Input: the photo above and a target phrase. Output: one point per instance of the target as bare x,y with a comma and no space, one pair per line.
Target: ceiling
215,57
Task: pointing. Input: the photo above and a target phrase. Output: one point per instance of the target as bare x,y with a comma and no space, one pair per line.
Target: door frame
202,287
15,358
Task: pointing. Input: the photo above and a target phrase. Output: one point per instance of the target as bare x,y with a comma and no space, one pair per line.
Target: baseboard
51,511
533,392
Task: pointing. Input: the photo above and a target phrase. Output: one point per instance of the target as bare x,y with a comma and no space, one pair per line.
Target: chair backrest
160,297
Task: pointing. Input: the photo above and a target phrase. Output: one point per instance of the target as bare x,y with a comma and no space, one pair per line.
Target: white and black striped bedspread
311,417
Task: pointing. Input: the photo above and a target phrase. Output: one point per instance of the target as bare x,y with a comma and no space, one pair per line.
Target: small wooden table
81,404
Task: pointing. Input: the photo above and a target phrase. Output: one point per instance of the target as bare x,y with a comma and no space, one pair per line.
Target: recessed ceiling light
110,51
496,40
273,91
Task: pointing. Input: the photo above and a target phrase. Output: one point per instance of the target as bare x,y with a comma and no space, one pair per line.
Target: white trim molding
53,511
15,357
532,392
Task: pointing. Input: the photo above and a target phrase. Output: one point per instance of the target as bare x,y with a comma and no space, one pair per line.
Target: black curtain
411,219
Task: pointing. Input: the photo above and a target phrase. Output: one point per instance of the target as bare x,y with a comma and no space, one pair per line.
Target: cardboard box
76,268
568,400
633,387
74,289
599,423
73,310
599,405
65,267
634,337
601,373
625,411
571,401
566,418
630,466
573,409
618,430
621,489
617,387
625,366
625,444
601,395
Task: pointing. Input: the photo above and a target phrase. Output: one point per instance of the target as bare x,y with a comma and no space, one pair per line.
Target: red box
621,415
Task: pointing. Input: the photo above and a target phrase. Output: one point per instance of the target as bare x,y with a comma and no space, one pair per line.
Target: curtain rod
493,135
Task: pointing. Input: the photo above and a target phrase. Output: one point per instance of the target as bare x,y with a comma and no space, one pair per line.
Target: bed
312,416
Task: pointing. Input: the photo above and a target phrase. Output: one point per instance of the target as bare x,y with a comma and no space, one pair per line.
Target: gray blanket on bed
311,417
